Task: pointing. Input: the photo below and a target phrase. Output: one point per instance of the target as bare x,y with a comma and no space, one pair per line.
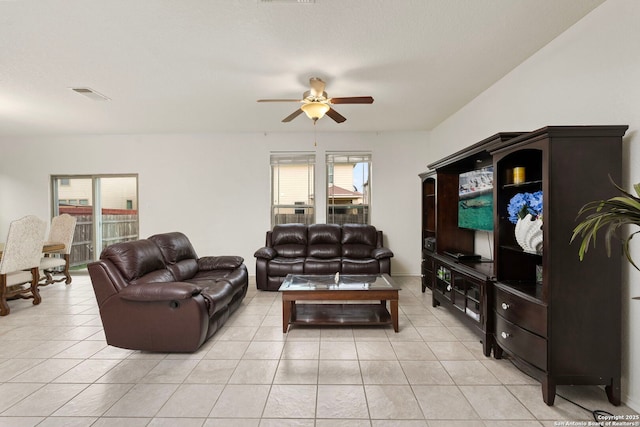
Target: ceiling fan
316,103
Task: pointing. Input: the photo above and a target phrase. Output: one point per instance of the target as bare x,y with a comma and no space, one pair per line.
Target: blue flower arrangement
525,203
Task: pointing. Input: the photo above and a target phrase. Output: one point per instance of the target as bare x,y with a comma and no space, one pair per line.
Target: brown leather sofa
157,295
320,249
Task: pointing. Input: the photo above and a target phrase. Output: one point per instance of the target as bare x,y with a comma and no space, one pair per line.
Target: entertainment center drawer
521,343
524,313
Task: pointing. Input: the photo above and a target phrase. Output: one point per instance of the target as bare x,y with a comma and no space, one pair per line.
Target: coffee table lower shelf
340,314
316,300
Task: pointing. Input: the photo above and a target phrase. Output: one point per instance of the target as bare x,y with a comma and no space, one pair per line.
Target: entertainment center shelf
533,306
523,184
428,227
462,287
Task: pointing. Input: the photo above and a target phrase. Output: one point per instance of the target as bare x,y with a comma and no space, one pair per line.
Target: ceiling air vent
90,93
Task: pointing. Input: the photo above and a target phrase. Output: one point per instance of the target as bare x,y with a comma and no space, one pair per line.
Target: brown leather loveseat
155,294
320,249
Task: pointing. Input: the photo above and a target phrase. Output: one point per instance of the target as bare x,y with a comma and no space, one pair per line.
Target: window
104,206
348,188
292,181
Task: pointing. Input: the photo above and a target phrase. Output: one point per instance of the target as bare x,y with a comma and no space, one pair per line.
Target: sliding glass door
104,206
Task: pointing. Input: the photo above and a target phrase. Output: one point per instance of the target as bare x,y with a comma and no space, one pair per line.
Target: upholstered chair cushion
23,248
51,262
20,260
62,230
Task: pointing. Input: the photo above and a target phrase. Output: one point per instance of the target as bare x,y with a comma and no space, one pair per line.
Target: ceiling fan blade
337,117
352,100
279,100
292,115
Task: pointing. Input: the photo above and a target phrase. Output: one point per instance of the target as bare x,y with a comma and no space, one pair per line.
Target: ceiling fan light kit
315,110
316,103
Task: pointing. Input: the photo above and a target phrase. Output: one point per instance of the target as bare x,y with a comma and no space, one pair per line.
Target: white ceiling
194,66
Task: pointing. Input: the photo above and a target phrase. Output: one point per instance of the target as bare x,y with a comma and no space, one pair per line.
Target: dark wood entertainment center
565,326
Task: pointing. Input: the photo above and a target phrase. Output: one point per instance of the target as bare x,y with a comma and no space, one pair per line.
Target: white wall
588,75
215,187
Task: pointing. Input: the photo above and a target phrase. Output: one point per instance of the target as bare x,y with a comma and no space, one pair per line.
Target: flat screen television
475,199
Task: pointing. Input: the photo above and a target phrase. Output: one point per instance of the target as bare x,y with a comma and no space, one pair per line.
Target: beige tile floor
57,370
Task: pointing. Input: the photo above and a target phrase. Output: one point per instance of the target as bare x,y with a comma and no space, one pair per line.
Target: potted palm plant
609,215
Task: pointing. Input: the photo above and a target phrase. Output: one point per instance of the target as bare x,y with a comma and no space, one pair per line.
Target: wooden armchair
62,230
21,260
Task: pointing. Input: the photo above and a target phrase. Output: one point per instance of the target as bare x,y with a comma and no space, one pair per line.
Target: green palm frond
608,215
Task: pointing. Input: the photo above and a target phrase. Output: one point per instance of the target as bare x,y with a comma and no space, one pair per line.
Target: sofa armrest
160,291
380,253
266,253
225,262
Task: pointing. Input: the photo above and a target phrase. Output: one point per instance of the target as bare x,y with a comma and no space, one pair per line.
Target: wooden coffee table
353,291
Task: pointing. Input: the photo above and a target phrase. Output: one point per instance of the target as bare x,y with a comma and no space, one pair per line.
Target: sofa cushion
157,276
290,240
219,295
174,246
204,276
219,262
360,266
324,241
184,269
236,278
134,259
358,240
356,251
359,234
282,266
324,251
322,265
